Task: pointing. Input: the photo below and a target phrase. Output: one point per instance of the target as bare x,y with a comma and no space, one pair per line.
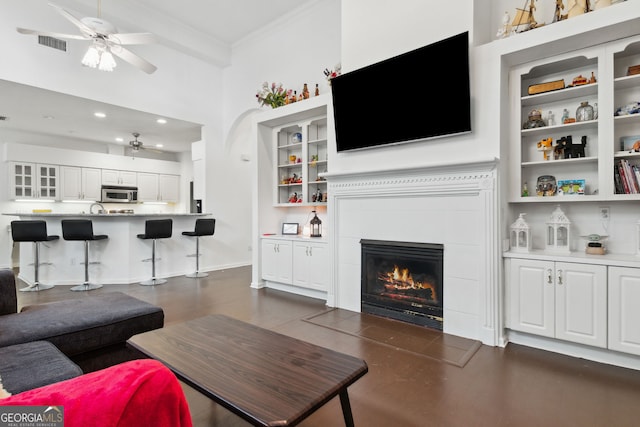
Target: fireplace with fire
403,281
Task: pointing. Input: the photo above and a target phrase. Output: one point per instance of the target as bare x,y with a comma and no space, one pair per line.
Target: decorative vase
584,112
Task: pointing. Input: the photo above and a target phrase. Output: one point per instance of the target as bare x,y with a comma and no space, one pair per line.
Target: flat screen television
418,95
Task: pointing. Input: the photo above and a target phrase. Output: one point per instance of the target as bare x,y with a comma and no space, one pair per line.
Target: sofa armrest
8,296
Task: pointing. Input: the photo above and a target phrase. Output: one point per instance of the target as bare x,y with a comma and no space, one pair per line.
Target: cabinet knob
549,276
559,277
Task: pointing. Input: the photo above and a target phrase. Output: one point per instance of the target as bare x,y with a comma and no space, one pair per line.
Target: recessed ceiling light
159,145
161,121
99,114
118,139
48,117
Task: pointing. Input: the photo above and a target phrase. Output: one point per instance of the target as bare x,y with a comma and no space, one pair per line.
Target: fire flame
401,279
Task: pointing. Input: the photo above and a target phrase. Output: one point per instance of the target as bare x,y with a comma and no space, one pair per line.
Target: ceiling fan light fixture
107,63
91,59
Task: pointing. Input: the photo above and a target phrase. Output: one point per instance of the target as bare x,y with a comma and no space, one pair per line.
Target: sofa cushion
82,324
32,365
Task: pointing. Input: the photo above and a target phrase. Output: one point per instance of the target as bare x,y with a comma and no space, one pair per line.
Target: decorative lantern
520,235
558,232
316,226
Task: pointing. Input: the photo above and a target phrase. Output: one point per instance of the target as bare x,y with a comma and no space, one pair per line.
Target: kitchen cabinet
277,261
34,181
311,265
562,300
118,177
80,183
624,316
158,187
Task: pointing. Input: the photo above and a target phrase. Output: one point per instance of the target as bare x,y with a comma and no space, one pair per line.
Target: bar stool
155,229
82,229
34,231
204,227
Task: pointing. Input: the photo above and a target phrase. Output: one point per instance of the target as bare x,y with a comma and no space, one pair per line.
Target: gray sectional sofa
73,327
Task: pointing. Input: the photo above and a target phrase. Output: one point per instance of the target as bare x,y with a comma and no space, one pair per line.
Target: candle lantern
558,232
520,235
316,226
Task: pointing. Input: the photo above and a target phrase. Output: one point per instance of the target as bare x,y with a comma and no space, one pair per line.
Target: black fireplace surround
403,281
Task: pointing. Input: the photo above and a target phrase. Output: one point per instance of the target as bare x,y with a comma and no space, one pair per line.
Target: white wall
182,88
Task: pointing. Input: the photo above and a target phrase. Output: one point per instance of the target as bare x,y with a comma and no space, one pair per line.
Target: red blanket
137,393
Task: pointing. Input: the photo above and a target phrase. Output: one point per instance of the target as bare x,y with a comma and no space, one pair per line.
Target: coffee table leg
346,408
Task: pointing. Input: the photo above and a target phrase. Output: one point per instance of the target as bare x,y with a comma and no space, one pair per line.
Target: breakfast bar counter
123,258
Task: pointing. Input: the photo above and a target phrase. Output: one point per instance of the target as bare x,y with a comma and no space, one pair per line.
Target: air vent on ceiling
53,42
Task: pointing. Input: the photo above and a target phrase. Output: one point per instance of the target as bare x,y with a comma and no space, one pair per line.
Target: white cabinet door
531,296
169,188
118,177
624,316
310,265
277,261
71,183
80,183
581,308
148,187
558,300
91,184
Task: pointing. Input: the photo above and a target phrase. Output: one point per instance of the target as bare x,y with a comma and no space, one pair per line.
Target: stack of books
627,177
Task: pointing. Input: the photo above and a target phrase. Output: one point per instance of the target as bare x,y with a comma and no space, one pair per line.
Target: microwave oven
116,194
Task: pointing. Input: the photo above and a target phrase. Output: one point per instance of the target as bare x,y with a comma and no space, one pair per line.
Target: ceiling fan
137,145
105,41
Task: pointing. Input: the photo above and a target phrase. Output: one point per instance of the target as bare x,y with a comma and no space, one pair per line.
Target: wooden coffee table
267,378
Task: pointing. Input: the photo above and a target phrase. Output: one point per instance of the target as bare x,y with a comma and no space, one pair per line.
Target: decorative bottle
305,92
584,112
317,90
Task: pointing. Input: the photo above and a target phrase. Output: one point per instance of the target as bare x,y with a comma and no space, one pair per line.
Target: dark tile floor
412,380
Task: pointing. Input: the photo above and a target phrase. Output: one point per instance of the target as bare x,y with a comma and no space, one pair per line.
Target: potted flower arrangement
274,95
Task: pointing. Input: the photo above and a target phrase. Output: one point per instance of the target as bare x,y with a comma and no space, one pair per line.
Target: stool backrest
158,228
205,226
29,231
77,229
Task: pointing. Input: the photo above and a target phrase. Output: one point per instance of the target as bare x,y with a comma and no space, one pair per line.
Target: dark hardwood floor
512,386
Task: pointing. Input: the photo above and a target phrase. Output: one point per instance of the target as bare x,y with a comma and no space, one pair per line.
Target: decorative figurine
505,30
551,118
546,185
546,146
534,120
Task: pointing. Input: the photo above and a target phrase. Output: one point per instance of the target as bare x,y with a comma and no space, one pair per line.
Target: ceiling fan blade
50,34
75,21
132,58
131,38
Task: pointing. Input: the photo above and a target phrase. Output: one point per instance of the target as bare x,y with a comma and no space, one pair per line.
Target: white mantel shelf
451,167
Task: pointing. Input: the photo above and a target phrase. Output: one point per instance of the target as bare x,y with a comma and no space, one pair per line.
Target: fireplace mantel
454,204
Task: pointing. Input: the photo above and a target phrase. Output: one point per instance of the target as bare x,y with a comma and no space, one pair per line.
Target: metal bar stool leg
86,286
197,273
154,280
37,286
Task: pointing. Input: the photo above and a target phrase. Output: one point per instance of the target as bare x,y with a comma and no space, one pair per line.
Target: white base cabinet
310,265
624,316
277,263
560,300
295,261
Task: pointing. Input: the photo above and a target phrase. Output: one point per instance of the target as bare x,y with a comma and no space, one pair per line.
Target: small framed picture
630,143
290,228
571,187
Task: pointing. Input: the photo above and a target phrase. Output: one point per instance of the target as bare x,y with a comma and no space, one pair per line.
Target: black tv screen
421,94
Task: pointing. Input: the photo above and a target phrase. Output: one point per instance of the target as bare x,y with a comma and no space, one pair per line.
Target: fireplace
403,281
